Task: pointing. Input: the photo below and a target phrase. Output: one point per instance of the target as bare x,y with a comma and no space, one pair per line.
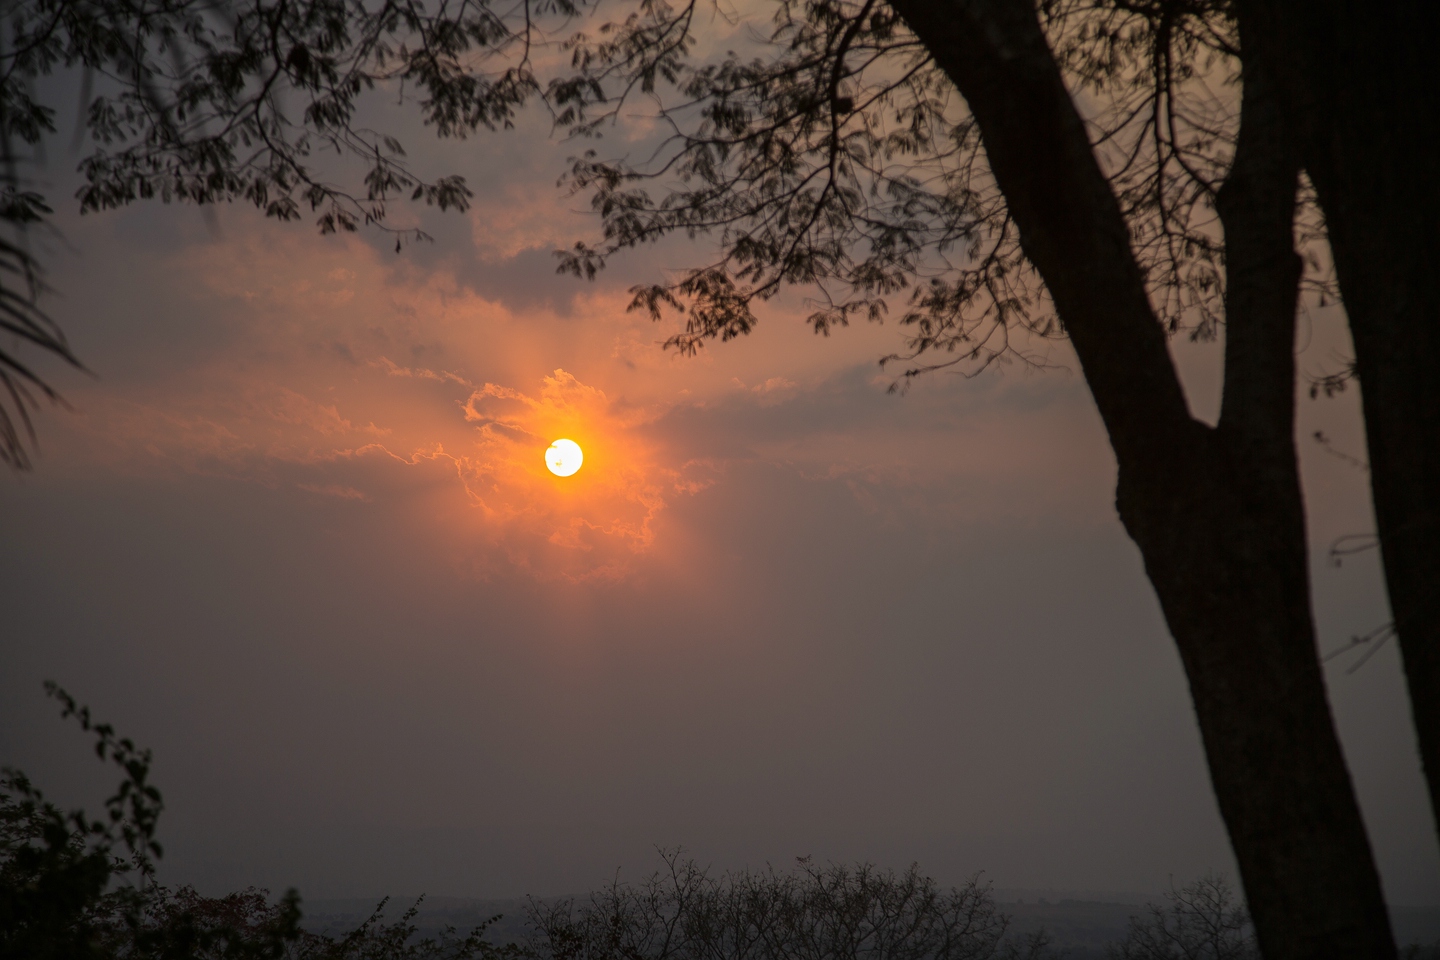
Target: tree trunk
1217,512
1218,533
1364,92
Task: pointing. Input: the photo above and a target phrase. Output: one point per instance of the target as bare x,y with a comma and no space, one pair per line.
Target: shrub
1203,921
814,913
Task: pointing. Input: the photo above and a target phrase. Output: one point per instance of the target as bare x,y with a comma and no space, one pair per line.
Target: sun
564,458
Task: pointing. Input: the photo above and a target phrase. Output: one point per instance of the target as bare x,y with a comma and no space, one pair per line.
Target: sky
294,533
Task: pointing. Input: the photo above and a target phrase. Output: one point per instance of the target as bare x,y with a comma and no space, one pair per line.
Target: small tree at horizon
835,912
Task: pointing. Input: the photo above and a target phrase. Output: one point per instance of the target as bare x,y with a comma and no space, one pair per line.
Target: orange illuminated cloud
583,526
474,464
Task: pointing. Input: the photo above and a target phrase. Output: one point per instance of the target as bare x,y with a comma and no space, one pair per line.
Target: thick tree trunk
1364,92
1218,533
1217,512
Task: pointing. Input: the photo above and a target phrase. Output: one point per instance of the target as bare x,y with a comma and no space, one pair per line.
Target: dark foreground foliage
75,887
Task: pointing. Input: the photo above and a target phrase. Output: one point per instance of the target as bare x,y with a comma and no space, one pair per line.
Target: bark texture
1363,90
1217,512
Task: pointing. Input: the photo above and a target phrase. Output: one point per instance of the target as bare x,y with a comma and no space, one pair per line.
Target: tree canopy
830,152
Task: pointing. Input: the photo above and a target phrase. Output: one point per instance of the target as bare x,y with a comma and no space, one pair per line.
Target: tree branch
1070,222
1257,206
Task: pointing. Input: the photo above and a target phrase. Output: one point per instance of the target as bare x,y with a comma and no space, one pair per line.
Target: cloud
590,525
477,467
333,490
330,366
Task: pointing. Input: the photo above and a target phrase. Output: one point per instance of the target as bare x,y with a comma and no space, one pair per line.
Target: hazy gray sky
297,538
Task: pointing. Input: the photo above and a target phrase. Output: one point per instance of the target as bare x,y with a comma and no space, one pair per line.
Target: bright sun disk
564,457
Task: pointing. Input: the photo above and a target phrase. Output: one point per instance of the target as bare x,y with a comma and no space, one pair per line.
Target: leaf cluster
210,101
832,153
21,318
67,876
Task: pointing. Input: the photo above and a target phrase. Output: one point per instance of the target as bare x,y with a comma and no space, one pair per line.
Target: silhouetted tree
814,913
76,887
21,317
1203,921
1363,100
868,147
65,876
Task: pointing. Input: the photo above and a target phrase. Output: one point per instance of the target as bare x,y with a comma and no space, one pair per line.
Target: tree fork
1217,512
1218,540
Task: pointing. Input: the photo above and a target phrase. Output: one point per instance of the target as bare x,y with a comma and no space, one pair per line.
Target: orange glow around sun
470,460
600,518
